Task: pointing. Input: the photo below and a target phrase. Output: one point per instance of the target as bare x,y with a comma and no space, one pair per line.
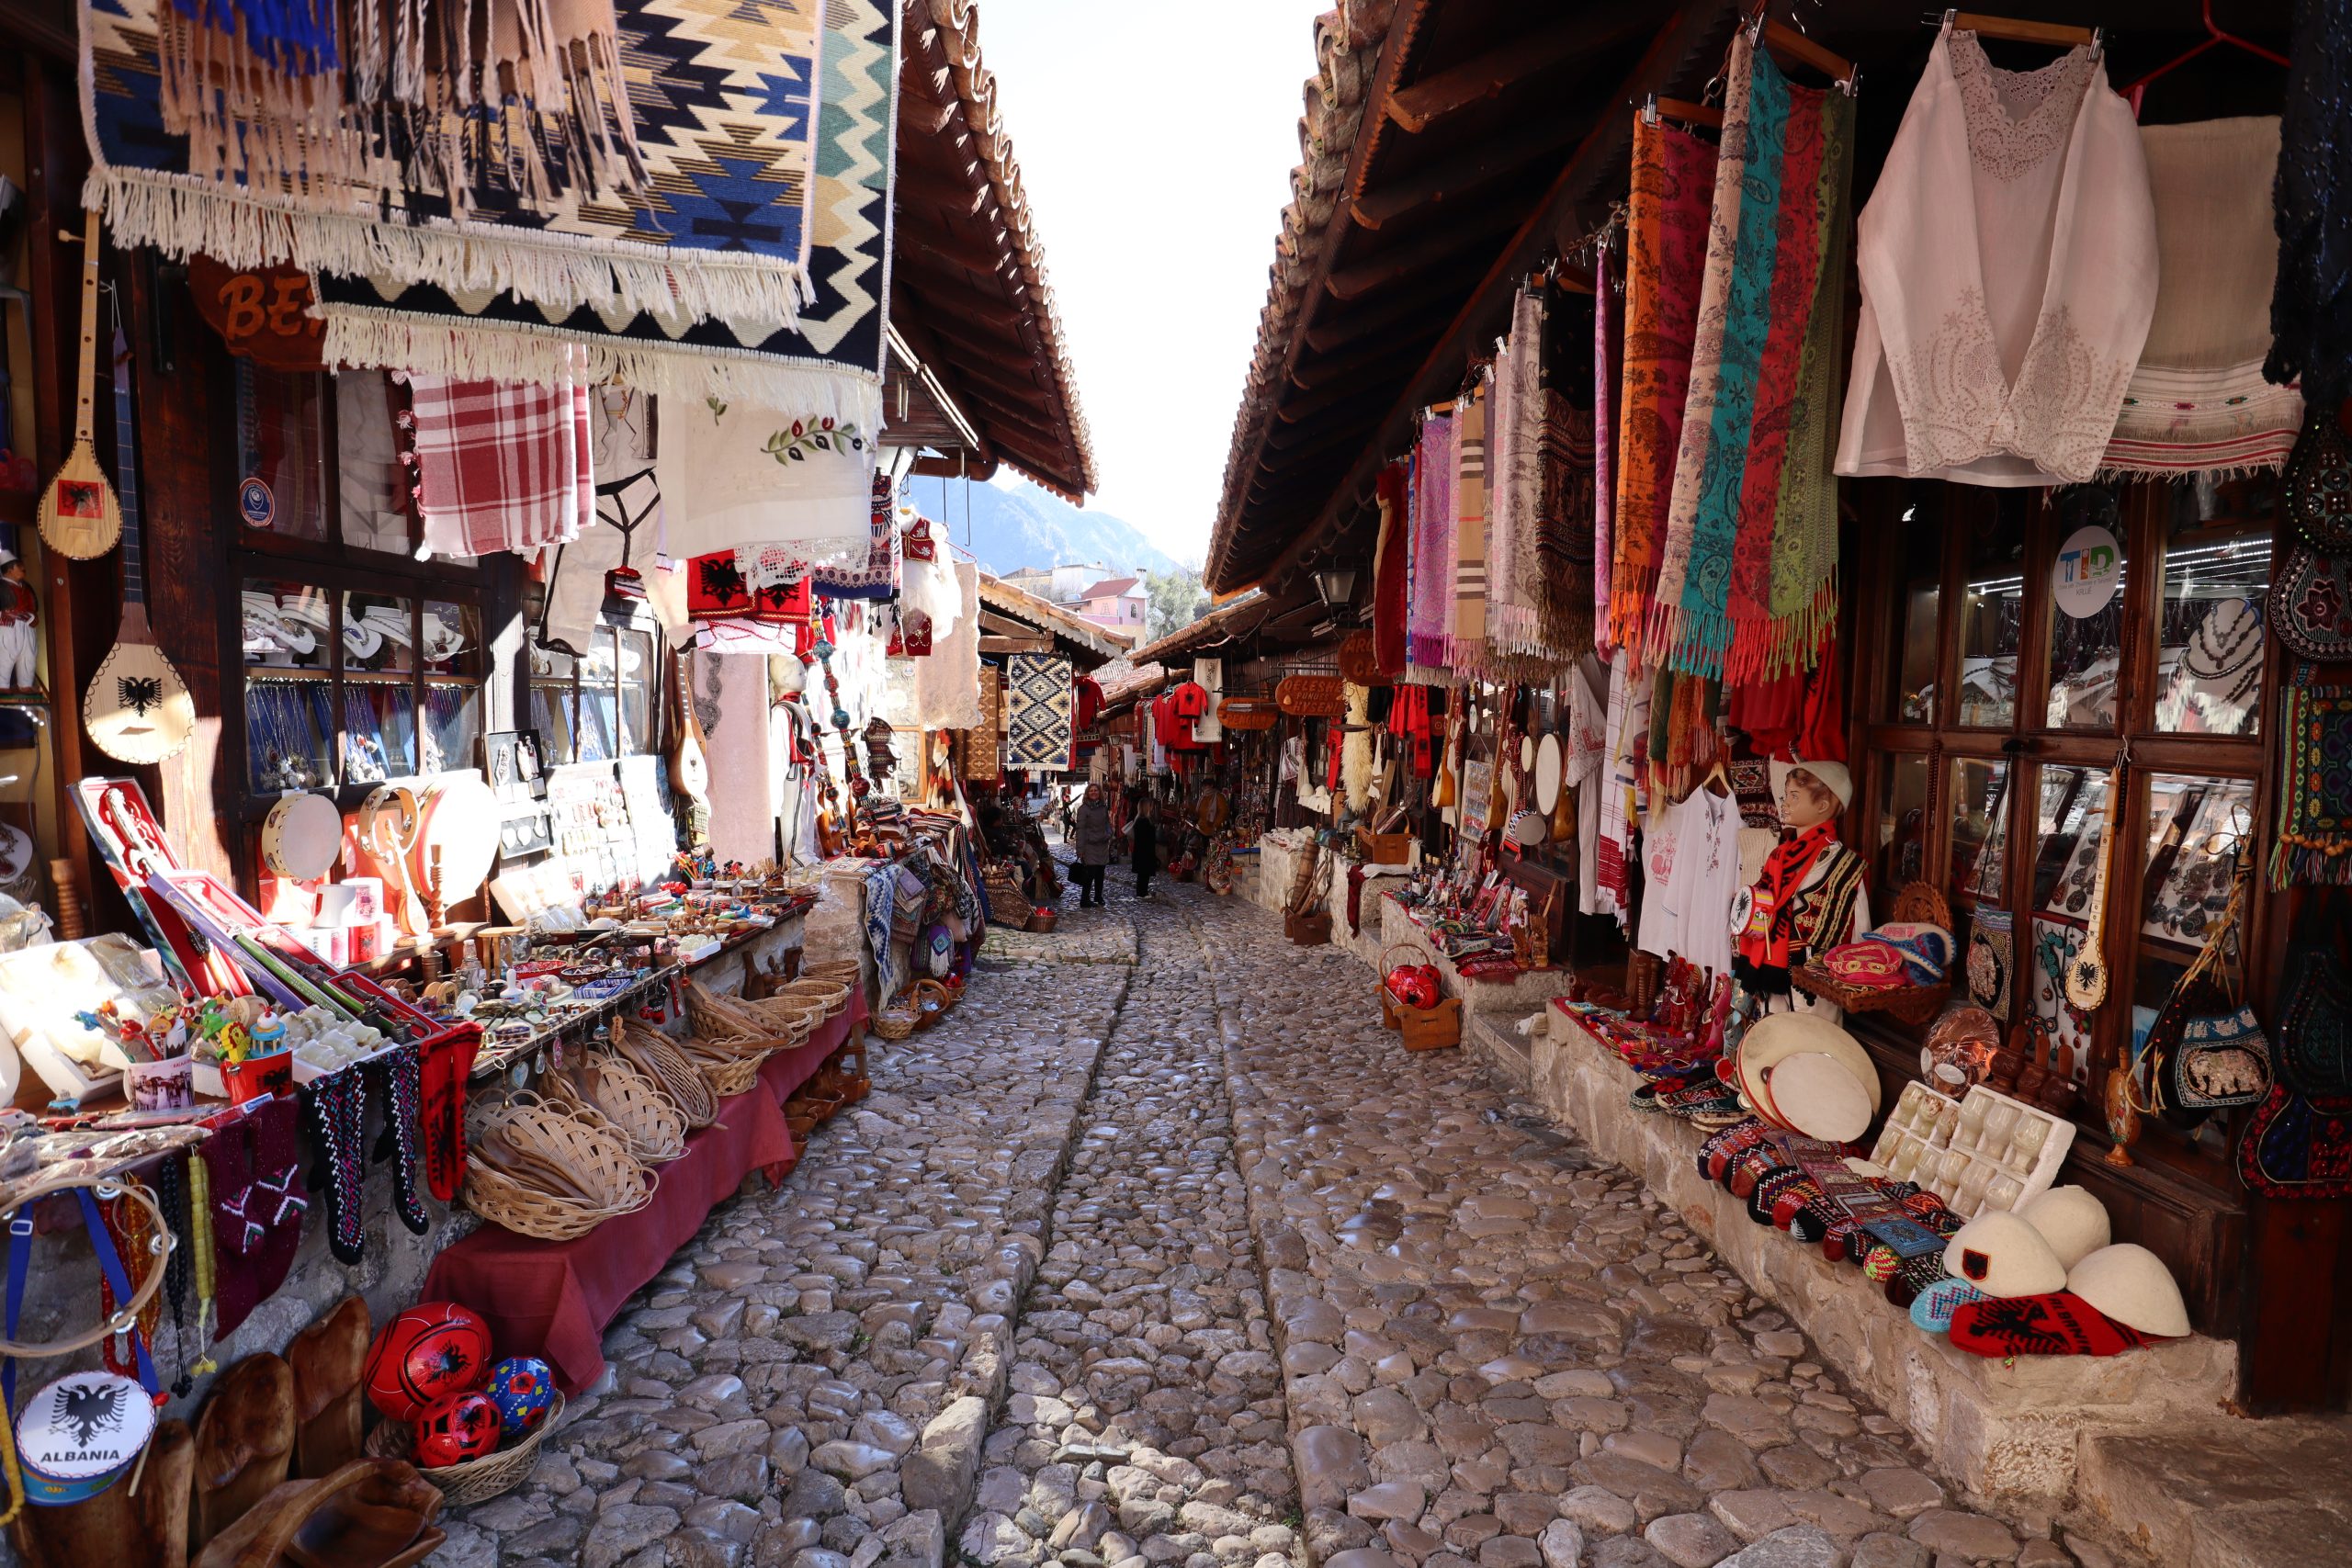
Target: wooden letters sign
260,313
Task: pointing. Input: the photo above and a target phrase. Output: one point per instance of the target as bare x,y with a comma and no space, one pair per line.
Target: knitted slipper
252,1169
443,1114
2059,1323
394,1075
1767,1190
1933,1308
1752,1168
334,1118
1721,1149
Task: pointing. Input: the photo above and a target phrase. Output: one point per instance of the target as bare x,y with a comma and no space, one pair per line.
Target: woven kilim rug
764,125
827,364
1038,699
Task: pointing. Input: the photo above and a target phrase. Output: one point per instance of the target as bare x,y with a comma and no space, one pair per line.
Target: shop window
2209,622
602,704
2096,624
288,639
451,652
281,453
1992,619
1902,825
1919,579
2086,584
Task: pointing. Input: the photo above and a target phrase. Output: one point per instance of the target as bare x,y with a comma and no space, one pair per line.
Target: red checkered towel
500,464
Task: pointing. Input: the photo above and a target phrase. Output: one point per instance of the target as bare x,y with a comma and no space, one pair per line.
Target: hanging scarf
1391,570
1515,427
1432,587
1815,121
1689,626
1564,543
1465,625
1605,369
1803,601
1673,177
2310,305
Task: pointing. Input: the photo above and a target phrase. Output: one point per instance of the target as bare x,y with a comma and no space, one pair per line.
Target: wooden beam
1679,51
954,468
917,182
1332,406
961,243
1016,645
992,374
1323,371
1005,625
1308,405
966,329
912,327
1399,262
1486,75
1406,312
1452,176
926,116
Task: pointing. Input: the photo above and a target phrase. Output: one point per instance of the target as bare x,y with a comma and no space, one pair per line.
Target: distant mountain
1028,527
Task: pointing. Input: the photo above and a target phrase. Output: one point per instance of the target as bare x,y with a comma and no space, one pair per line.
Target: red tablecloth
553,1299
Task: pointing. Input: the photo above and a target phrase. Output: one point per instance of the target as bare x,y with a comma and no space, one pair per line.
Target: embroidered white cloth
2198,403
2008,270
947,679
729,476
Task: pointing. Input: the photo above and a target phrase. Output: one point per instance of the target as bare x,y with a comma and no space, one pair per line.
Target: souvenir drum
79,1435
302,837
460,820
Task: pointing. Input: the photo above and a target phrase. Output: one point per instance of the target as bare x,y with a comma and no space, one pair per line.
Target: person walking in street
1144,841
1093,842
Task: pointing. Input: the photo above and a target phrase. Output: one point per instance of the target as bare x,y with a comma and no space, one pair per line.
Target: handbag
2298,1146
2206,1050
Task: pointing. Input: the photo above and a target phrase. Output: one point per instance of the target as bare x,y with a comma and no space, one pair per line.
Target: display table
2010,1430
1517,992
553,1299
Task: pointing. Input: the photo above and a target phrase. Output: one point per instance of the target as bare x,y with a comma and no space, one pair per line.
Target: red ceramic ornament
429,1351
455,1429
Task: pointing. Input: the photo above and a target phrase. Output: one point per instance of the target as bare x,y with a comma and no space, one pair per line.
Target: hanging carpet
1037,696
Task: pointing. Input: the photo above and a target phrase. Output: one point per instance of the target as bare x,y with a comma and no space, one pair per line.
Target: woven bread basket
831,994
540,1171
658,1056
727,1073
899,1018
474,1480
609,1084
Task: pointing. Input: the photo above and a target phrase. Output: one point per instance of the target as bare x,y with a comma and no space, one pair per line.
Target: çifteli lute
137,708
2085,979
79,514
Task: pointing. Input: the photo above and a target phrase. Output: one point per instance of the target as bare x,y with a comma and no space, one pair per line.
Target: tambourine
302,837
461,823
387,830
1548,773
1528,828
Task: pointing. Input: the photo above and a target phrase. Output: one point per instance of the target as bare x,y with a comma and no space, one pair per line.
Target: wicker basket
898,1019
540,1171
474,1480
719,1017
658,1056
631,1101
727,1073
796,1018
1920,904
848,971
933,1000
832,995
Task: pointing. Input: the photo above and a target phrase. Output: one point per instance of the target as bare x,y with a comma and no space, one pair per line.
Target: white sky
1157,152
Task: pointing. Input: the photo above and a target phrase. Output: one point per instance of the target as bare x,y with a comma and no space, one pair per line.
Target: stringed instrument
2086,975
79,514
136,708
689,763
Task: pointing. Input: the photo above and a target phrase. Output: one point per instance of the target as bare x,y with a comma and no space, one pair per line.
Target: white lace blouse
2008,270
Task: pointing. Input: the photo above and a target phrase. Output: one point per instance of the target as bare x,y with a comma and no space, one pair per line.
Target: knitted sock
2059,1323
1717,1152
444,1073
1767,1190
1752,1168
172,1194
334,1116
252,1166
1932,1309
396,1077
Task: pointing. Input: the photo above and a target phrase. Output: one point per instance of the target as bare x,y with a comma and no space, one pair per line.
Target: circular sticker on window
254,503
2088,570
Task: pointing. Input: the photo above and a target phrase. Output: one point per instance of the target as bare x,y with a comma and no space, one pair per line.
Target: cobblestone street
1159,1250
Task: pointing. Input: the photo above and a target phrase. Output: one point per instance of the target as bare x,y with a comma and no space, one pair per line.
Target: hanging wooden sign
261,313
1247,713
1311,696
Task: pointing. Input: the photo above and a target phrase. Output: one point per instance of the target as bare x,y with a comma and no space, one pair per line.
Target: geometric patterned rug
1037,696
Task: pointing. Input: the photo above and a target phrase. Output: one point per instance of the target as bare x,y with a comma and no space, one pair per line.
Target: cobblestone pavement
1181,1259
767,1397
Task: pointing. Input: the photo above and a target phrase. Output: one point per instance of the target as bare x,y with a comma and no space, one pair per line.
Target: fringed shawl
1466,627
1430,587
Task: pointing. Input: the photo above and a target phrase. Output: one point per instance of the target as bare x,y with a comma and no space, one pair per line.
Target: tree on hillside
1177,601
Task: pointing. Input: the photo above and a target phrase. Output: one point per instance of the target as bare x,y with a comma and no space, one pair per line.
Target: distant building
1057,584
1115,604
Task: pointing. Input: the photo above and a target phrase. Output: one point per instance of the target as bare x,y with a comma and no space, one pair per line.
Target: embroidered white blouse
2008,270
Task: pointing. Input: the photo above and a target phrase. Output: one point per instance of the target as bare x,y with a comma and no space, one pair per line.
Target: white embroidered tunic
2008,271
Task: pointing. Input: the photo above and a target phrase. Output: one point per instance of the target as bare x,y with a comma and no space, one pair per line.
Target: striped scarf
1466,627
1666,238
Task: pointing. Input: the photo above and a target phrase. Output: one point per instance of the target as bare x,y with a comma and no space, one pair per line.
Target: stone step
2225,1494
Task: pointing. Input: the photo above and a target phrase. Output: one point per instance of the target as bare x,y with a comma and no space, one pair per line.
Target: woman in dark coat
1144,859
